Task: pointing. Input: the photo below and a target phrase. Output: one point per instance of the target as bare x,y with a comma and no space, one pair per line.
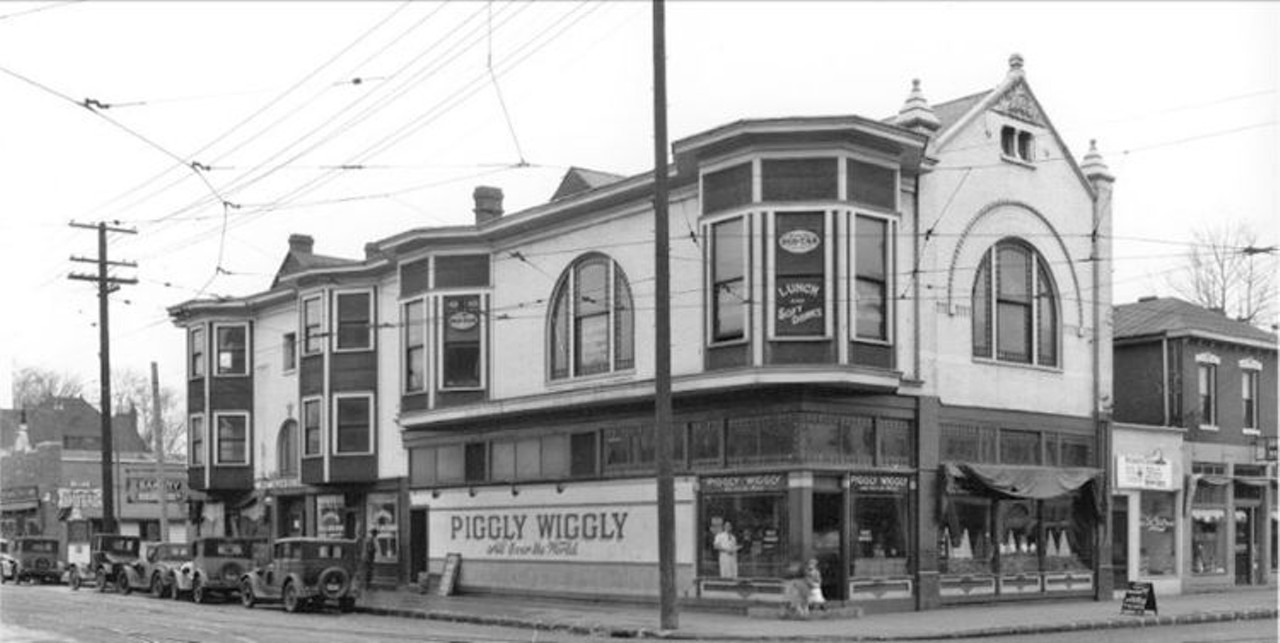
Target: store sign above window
1141,472
868,483
740,484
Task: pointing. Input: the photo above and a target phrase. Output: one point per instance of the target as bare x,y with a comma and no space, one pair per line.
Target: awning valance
1040,483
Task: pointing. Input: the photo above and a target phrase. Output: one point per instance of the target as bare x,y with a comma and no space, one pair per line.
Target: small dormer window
1017,144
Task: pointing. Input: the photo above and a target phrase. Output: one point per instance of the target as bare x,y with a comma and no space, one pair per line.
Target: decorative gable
1018,103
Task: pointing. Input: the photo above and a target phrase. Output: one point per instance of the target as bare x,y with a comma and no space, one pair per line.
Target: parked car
8,566
109,556
35,559
154,569
303,573
216,567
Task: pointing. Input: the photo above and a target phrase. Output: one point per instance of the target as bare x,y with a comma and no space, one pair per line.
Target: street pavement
968,622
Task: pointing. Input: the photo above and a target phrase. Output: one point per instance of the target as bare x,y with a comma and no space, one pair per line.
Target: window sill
729,343
1209,427
231,374
1031,367
1248,431
352,453
461,389
1017,161
872,342
594,378
364,349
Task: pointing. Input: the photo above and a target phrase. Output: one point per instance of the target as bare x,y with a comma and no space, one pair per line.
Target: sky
215,129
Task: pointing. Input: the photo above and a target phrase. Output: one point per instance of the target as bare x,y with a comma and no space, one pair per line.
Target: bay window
800,261
353,424
312,427
729,280
354,323
232,438
312,325
197,440
196,349
415,347
871,281
462,337
231,347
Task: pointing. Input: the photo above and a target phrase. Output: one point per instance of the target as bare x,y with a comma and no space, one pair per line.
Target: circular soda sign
463,320
798,242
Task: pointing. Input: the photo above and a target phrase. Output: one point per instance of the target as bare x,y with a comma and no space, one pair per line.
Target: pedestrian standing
727,544
370,552
813,578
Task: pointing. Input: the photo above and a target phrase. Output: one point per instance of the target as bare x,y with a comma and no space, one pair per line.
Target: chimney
488,203
301,243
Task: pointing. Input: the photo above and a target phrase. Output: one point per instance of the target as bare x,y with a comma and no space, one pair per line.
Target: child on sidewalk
813,578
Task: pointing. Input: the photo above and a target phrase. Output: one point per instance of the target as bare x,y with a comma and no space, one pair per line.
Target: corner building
884,357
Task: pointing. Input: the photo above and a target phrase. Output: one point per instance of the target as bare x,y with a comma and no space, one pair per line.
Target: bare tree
131,388
1228,270
33,385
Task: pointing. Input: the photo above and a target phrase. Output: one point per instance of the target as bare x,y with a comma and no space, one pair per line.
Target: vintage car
305,572
154,569
8,566
35,559
109,556
216,567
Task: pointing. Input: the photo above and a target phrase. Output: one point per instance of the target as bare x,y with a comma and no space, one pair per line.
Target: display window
967,543
1019,534
1157,535
383,510
878,536
1067,541
745,535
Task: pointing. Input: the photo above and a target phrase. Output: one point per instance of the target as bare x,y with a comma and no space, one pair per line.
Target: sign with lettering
19,494
800,306
143,490
1134,472
585,533
449,576
80,497
1139,598
799,241
869,483
739,484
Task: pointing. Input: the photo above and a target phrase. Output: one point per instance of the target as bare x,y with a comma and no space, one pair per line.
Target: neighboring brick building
51,476
885,354
1195,406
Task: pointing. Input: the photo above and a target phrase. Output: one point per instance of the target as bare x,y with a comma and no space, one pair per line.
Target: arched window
1015,306
287,449
592,325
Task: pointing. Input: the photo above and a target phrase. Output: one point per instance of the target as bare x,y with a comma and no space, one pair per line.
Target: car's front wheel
246,593
289,596
122,583
157,586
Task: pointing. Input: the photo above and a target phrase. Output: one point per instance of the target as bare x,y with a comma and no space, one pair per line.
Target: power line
51,5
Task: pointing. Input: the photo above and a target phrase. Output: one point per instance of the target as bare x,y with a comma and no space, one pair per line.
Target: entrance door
417,543
828,516
1120,541
1246,544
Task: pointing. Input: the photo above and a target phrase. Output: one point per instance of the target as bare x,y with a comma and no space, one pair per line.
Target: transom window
1015,306
592,327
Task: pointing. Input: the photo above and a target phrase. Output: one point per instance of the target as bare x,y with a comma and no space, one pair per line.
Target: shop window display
383,509
1158,538
1067,542
967,544
1019,536
759,527
1208,540
878,536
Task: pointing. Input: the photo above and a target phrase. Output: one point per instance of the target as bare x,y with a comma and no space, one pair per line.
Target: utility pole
157,434
662,309
106,285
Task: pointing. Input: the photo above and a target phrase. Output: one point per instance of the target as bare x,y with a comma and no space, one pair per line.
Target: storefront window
758,523
878,535
1208,540
967,543
1019,536
383,513
1067,542
1158,537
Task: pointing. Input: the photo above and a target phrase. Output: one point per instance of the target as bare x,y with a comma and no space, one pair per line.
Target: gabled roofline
1012,80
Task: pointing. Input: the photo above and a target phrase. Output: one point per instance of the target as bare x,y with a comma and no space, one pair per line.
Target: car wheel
122,583
198,595
157,586
246,593
100,580
73,579
290,598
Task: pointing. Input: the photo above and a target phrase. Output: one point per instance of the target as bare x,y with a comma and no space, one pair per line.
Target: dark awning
1014,481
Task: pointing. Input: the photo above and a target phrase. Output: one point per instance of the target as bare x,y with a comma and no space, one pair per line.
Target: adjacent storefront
1146,526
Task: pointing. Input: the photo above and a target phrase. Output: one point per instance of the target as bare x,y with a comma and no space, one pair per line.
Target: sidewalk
629,620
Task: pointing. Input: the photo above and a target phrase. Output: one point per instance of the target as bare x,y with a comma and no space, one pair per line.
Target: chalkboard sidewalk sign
450,574
1139,598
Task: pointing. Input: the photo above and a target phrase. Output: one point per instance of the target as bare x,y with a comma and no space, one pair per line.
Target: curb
1194,618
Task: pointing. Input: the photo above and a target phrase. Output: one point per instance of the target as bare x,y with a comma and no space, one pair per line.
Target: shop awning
1014,481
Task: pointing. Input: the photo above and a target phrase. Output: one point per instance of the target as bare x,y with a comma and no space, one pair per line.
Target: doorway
1120,541
417,543
1246,544
828,514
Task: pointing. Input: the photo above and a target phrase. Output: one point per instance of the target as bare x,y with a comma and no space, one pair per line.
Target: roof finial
916,113
1093,166
1015,62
